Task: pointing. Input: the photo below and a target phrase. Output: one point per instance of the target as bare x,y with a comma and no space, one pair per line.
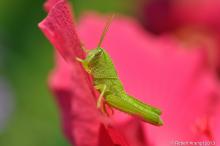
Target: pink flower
157,70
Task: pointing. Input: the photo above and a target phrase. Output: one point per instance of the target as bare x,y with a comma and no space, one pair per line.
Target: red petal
109,136
59,29
49,4
133,130
69,82
76,100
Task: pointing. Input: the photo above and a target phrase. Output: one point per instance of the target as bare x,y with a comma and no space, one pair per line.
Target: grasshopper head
94,54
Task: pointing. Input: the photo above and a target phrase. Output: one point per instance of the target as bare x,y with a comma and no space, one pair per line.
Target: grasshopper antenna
106,30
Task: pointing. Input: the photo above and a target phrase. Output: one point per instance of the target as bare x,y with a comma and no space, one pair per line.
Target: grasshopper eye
99,52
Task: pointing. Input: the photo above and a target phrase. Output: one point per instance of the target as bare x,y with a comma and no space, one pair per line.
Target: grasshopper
105,79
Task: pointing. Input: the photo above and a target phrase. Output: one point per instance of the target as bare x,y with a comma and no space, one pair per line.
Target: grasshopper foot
79,59
85,64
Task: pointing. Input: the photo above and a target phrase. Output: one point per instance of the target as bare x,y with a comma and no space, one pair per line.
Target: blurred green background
30,115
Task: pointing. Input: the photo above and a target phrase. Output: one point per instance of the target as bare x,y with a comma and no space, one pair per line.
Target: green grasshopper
105,79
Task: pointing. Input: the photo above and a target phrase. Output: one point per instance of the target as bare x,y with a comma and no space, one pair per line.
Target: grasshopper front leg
102,88
85,64
101,100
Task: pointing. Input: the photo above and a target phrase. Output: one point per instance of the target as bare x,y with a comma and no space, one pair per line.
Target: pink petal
216,126
189,13
195,22
169,15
